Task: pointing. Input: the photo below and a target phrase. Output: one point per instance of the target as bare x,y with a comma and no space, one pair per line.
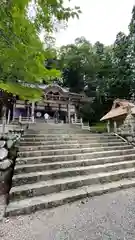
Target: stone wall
8,154
128,126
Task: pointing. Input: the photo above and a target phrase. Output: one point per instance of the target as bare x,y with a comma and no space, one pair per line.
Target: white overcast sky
100,21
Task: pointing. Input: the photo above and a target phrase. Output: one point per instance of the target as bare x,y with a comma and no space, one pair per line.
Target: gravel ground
111,216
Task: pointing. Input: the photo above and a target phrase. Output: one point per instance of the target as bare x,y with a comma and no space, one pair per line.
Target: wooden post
32,111
68,111
28,112
14,108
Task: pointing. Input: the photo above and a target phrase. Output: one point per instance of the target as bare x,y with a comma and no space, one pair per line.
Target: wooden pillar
108,127
14,108
68,112
60,117
32,111
28,111
59,107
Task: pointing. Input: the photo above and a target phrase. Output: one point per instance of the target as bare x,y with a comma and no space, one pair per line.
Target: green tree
120,83
131,50
22,55
77,62
103,72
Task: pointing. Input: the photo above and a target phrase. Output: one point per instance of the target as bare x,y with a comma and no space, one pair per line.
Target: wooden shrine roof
120,107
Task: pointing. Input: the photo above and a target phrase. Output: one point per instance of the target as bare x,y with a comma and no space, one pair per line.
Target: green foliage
25,93
131,50
22,54
103,72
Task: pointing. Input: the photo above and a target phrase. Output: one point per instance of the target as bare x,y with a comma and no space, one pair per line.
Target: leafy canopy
22,54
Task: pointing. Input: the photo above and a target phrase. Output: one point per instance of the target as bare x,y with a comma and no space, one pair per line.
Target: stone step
69,145
27,168
63,141
77,156
44,134
57,185
41,130
32,177
71,151
29,205
59,131
37,134
67,137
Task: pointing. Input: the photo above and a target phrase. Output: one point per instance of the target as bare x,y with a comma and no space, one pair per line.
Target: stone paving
107,217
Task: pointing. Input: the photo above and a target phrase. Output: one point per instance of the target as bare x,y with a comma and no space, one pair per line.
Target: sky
100,20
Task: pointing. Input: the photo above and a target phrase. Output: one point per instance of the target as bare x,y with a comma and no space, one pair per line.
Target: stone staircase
62,163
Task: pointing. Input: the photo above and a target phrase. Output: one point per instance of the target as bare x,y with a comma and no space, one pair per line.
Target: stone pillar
115,126
72,120
20,118
8,119
81,121
75,117
32,111
108,127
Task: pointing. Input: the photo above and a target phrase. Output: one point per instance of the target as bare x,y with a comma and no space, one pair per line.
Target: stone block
5,164
3,153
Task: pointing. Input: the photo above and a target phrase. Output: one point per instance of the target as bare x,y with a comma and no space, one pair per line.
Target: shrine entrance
55,98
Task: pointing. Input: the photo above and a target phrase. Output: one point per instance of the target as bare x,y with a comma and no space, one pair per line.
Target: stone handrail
26,119
76,121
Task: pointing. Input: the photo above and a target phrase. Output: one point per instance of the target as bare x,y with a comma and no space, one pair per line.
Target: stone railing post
81,121
20,118
75,118
8,119
14,107
108,127
32,112
72,120
115,126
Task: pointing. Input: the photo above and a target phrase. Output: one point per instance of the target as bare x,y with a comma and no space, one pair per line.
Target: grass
99,127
